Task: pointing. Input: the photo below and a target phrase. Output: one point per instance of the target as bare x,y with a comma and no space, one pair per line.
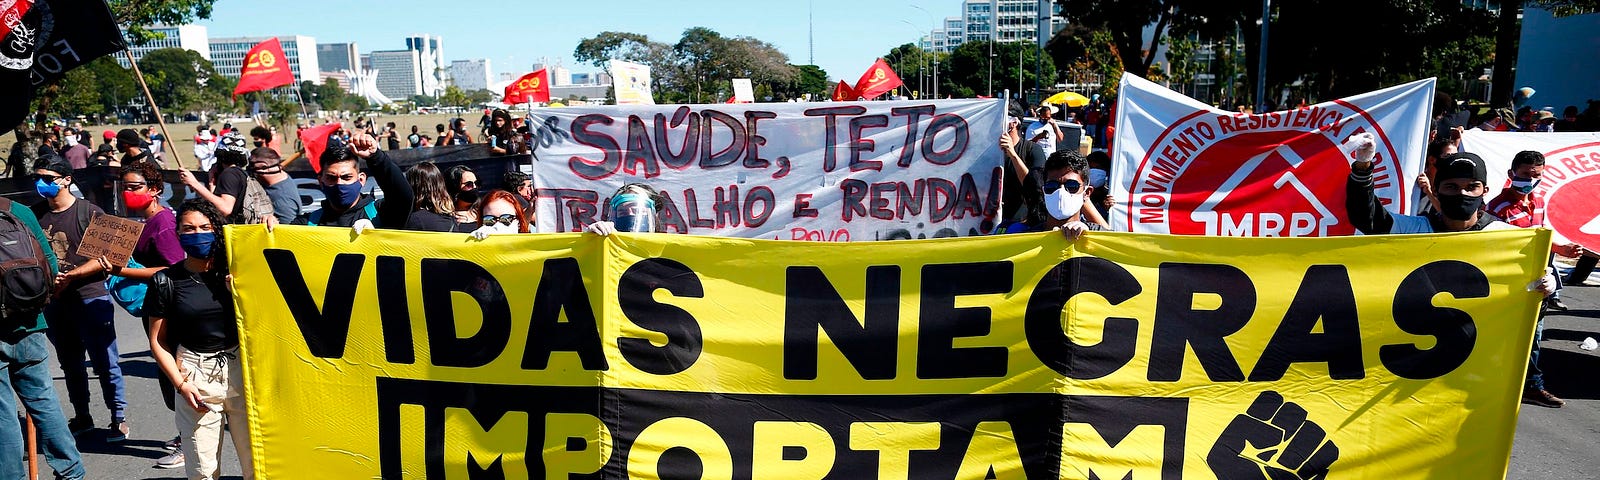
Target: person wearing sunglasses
463,189
434,211
499,214
1055,196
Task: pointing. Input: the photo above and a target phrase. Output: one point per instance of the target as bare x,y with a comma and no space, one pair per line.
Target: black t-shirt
394,140
65,233
1033,157
1032,193
231,181
199,315
426,221
415,139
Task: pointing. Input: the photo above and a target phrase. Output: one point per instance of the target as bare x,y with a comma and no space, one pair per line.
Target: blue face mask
46,189
344,194
197,245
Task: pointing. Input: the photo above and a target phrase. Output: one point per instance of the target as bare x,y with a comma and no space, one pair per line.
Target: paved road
1551,443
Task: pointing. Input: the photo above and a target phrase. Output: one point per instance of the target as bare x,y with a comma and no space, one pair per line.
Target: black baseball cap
1461,165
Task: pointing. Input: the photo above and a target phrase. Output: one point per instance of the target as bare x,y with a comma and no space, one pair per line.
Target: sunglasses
490,220
46,178
1072,186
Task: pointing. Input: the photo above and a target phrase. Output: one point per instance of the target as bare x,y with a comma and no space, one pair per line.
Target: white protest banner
631,83
1571,180
1183,167
840,171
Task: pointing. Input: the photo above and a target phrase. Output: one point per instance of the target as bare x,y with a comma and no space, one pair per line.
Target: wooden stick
159,121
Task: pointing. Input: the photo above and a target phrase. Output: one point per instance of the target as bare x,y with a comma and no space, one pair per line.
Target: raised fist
1274,441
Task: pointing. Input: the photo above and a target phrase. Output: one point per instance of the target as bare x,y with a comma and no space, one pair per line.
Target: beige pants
221,386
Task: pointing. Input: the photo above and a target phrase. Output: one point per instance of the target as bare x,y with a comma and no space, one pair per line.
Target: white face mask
500,228
72,140
1063,205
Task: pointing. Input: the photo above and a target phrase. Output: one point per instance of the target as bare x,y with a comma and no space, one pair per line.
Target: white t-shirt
1049,140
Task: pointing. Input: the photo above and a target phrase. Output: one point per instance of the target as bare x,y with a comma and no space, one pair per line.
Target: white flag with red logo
1568,184
1184,167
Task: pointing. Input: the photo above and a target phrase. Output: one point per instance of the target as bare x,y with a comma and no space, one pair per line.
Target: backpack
257,204
127,292
25,278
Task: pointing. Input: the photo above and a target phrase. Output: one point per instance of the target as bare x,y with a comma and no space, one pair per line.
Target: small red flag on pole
843,92
878,80
315,140
265,68
533,87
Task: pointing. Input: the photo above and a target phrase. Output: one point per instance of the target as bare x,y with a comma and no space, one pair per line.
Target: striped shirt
1525,213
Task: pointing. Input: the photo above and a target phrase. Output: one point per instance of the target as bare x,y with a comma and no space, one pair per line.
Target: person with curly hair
194,338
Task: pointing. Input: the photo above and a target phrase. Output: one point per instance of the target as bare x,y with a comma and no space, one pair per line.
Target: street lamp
933,26
922,58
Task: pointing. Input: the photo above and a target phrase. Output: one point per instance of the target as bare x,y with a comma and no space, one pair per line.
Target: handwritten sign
111,236
842,171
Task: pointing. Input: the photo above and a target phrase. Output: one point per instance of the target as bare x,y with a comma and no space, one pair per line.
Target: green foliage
423,101
699,67
138,14
969,67
808,79
181,80
329,95
480,96
454,97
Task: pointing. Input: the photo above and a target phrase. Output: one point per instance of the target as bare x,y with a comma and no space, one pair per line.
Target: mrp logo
1280,174
1569,186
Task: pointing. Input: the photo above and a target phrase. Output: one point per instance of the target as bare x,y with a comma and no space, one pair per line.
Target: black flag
40,40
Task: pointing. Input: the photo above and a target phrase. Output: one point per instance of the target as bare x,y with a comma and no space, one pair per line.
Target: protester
519,184
80,315
502,138
500,215
23,153
1461,179
435,210
266,167
1100,180
439,134
341,180
156,249
108,138
391,136
104,156
1062,186
1021,158
133,148
415,138
205,150
456,135
635,207
76,152
156,141
195,341
1517,206
1044,131
230,181
261,136
24,354
463,187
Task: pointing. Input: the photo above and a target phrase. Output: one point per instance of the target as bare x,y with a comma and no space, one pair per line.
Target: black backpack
25,279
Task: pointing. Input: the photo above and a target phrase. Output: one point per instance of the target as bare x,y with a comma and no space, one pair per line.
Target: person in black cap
133,147
341,181
1460,186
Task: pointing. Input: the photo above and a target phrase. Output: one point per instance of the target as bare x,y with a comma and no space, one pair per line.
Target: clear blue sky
515,34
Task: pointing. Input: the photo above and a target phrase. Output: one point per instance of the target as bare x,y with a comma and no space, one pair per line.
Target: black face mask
1459,207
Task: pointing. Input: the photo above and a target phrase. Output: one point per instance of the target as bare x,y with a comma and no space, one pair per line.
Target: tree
698,54
808,79
969,68
184,81
139,14
454,97
424,101
480,96
1125,20
329,95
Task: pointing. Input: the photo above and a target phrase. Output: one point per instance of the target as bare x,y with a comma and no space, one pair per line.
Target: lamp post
922,56
1261,72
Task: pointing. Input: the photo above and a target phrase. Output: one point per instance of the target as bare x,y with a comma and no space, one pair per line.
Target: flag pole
159,121
300,100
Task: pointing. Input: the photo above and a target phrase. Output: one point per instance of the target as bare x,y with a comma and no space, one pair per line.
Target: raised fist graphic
1272,440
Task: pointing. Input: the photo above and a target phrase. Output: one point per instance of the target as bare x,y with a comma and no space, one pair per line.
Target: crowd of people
187,310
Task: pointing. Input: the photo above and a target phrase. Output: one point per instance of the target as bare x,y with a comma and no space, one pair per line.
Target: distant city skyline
848,35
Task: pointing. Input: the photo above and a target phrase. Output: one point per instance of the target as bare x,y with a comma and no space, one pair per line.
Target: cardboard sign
111,236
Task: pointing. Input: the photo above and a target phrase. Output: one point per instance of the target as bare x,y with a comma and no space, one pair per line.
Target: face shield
633,212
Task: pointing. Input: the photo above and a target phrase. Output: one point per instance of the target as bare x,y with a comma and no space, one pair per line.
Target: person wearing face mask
500,215
341,180
76,153
229,180
1460,187
194,339
435,210
267,168
80,316
156,249
1063,187
463,188
635,207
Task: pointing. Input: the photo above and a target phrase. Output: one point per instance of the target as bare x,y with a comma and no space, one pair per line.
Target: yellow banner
415,355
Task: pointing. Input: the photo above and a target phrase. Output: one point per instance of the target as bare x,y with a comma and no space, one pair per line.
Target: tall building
430,54
1002,20
471,75
227,54
333,57
399,73
187,37
951,33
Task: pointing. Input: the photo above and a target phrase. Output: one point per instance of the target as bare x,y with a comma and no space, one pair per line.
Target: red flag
315,140
843,93
878,80
533,87
732,100
265,67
